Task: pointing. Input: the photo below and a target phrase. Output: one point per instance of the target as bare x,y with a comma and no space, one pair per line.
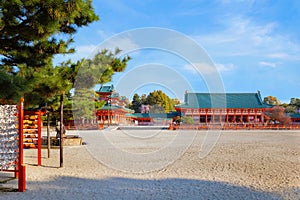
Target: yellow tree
271,100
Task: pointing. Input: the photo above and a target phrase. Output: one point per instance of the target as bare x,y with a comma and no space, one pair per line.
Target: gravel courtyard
166,164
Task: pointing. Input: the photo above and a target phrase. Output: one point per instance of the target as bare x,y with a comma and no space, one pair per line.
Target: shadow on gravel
127,188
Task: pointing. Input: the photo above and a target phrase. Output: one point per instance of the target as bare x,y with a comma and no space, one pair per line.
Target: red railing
236,127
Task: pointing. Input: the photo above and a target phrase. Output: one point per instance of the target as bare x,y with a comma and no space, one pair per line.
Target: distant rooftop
223,100
295,115
106,88
115,107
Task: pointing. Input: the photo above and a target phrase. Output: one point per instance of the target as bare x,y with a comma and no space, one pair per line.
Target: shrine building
224,107
114,111
295,118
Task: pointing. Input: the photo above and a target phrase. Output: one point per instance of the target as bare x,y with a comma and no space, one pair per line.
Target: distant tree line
293,106
280,112
158,101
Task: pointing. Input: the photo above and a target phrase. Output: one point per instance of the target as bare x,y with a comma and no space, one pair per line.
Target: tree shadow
65,187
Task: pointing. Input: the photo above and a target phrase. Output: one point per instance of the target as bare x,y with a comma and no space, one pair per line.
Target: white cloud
103,35
268,64
124,43
233,1
203,68
190,68
243,37
225,67
281,55
85,50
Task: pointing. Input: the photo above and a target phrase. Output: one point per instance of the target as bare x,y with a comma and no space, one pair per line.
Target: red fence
236,127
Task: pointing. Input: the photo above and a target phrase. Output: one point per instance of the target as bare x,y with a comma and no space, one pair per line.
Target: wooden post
48,134
61,131
39,139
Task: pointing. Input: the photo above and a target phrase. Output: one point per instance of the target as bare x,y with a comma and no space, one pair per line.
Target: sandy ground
242,165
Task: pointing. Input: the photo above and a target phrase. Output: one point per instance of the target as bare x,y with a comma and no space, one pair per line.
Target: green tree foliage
271,100
159,98
11,87
293,106
296,103
136,103
53,106
159,102
84,104
31,31
290,108
187,120
156,109
48,82
98,70
144,99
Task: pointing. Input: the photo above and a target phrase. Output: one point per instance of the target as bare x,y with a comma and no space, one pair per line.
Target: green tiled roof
223,100
106,88
114,95
123,98
113,107
295,115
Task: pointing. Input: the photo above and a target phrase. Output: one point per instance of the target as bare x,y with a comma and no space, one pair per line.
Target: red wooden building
114,111
224,107
295,118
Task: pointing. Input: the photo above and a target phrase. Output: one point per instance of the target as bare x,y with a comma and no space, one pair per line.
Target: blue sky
254,45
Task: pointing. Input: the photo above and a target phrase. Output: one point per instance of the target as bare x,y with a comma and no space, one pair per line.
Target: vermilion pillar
21,168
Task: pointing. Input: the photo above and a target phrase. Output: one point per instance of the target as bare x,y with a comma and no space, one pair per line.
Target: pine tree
31,33
98,70
136,103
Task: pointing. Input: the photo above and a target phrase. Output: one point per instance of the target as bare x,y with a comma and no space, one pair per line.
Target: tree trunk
48,134
61,130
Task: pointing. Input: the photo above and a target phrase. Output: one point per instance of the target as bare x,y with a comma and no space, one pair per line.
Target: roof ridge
220,99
